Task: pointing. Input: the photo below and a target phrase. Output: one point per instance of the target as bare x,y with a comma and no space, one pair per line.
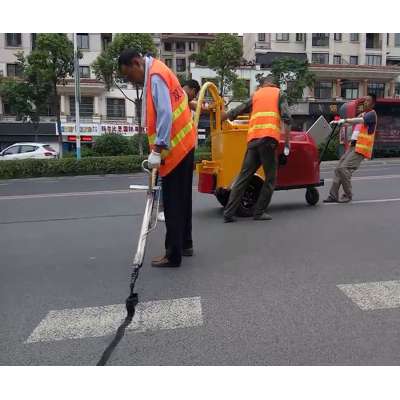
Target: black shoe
262,217
163,262
228,219
330,199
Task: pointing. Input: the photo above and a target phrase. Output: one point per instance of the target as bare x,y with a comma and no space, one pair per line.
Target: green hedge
69,166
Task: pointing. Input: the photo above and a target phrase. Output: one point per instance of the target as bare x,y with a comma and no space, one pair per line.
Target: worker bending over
361,146
268,107
167,117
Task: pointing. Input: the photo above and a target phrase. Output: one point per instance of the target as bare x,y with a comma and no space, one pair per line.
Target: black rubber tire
312,196
250,197
222,196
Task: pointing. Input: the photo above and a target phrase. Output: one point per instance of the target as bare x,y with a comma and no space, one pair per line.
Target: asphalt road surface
314,286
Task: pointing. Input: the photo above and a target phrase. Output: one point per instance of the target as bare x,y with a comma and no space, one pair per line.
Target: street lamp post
77,99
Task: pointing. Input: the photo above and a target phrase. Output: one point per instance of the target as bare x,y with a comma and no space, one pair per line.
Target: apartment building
176,49
101,110
347,65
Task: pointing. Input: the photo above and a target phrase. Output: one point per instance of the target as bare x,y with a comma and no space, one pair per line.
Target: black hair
373,97
126,56
193,84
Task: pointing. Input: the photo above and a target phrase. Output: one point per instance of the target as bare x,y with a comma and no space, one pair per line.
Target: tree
293,76
223,55
46,67
106,67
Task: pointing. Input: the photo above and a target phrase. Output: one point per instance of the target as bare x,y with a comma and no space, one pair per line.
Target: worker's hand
338,122
154,160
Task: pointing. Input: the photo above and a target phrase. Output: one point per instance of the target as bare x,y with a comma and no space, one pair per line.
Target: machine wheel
312,196
222,196
249,199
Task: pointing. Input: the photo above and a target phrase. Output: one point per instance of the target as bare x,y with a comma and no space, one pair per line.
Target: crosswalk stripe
100,321
373,295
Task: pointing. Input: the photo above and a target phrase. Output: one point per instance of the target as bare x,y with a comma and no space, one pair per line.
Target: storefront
14,132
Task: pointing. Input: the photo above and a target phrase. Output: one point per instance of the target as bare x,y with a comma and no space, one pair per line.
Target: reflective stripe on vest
182,138
365,142
265,119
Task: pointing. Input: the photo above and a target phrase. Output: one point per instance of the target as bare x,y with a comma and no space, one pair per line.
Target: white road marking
87,322
369,178
366,201
65,194
373,295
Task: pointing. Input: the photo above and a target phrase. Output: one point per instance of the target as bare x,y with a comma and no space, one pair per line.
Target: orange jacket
265,119
183,136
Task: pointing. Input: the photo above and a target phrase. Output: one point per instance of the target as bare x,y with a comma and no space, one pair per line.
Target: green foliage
223,55
47,66
294,74
111,145
134,143
106,65
69,166
240,89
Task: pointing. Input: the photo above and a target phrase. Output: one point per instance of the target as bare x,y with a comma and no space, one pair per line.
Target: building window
8,109
282,37
180,47
48,109
261,37
373,59
116,108
168,46
83,41
86,106
299,37
376,88
33,40
323,90
354,37
373,41
180,64
191,46
397,89
397,39
320,39
354,60
337,59
349,90
106,39
84,72
320,58
338,37
168,62
14,70
13,39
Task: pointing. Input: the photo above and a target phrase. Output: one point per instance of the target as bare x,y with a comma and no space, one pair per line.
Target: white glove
154,159
338,122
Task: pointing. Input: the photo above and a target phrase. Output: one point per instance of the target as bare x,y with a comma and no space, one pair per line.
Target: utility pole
77,99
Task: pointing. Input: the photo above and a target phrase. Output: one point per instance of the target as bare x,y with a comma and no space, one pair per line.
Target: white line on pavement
68,194
373,295
366,201
369,178
100,321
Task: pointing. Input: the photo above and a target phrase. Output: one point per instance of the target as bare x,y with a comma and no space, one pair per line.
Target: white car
23,151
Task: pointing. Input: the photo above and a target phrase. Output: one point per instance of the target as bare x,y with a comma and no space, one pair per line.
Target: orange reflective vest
365,140
183,134
265,119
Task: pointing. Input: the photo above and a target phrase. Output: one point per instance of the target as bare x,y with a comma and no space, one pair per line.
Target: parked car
23,151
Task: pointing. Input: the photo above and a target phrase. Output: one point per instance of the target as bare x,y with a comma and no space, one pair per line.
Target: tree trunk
58,116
